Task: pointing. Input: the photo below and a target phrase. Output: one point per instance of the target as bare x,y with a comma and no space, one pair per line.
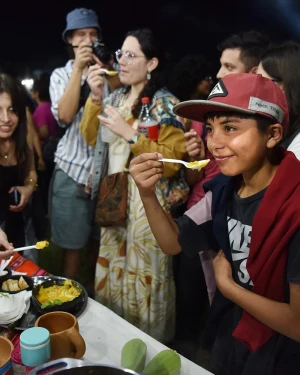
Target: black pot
66,366
16,277
70,307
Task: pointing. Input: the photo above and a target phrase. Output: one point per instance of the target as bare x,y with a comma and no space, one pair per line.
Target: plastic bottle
147,124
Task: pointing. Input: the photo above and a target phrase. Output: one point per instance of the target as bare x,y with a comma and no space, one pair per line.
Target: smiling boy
250,216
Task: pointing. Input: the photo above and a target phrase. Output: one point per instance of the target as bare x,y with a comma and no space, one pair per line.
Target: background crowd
53,157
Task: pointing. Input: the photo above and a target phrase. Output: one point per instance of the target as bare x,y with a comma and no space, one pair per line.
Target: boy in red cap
250,216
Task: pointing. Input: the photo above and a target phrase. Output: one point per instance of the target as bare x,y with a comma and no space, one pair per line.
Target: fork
186,164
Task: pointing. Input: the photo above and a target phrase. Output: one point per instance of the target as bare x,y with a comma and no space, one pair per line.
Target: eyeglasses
129,56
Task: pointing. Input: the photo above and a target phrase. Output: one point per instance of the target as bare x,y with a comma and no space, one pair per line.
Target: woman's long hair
11,87
282,63
186,75
151,48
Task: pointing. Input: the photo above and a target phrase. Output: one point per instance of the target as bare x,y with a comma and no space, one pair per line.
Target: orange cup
6,347
65,339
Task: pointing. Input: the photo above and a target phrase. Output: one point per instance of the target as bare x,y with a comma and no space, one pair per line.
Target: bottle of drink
147,124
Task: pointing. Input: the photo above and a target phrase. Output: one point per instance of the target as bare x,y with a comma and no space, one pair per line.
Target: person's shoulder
166,94
63,70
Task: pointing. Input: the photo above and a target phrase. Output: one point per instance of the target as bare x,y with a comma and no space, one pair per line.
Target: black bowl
3,277
71,306
16,277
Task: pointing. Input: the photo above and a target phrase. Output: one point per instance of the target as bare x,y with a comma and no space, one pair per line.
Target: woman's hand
146,170
8,247
26,192
95,80
223,273
194,146
115,122
41,166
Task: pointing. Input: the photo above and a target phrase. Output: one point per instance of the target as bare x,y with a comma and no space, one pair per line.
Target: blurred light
28,83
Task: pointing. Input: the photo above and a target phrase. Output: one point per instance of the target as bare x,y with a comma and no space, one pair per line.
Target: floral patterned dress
134,278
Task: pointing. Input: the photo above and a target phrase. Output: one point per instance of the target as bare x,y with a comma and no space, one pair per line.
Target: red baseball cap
243,93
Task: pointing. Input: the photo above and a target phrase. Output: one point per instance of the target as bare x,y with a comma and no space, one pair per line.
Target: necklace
5,154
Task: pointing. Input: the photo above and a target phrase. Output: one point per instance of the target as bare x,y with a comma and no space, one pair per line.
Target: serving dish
27,279
31,316
6,272
70,306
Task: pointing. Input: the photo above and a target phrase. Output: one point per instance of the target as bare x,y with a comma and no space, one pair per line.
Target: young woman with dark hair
281,64
133,277
18,178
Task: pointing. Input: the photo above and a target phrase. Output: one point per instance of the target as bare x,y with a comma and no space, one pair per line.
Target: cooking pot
67,366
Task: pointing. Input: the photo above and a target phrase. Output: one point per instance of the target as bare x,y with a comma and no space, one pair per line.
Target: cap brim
197,109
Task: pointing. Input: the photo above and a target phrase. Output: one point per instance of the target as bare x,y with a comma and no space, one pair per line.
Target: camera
100,50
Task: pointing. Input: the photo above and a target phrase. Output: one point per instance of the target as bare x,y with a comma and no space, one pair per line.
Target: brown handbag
111,207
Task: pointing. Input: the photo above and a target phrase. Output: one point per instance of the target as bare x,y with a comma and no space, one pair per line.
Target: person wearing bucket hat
81,18
71,209
250,216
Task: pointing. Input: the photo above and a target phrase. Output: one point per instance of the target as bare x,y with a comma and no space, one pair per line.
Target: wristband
96,101
134,139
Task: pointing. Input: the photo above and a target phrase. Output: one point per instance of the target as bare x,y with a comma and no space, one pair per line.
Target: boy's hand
146,170
194,145
223,272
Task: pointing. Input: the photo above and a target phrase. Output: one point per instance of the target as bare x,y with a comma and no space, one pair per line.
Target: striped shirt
73,155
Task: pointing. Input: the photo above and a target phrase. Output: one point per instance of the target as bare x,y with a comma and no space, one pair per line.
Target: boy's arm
146,171
281,317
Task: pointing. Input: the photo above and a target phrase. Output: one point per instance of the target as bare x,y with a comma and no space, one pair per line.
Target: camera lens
100,50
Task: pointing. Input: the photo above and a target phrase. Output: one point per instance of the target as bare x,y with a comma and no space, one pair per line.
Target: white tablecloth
105,333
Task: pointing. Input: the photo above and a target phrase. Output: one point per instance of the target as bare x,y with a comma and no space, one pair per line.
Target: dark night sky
31,31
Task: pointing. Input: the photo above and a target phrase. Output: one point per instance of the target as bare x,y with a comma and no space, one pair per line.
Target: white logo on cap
259,105
218,90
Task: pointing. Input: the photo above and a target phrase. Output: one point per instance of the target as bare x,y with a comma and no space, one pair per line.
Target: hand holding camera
83,56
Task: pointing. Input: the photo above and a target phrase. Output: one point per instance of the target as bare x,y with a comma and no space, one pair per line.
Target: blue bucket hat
81,18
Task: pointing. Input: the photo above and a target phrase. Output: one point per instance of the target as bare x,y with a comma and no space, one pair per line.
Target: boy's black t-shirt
280,355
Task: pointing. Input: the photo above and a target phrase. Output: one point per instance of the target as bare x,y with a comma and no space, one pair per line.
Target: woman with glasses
18,178
133,277
281,64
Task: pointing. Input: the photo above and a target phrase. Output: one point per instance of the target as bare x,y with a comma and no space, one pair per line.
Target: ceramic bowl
71,306
6,347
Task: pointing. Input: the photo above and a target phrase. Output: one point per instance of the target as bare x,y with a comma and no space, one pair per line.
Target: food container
16,277
68,366
6,348
6,272
70,306
35,346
